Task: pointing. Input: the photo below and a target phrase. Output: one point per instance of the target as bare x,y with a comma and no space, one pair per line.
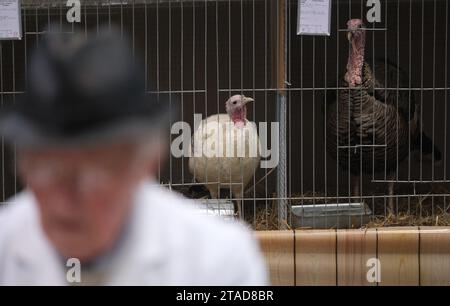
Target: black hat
80,91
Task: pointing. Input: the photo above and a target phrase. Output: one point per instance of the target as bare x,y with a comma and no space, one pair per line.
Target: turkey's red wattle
239,115
356,59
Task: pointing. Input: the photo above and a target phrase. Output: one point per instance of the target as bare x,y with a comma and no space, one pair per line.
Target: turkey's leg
213,191
391,189
355,186
239,202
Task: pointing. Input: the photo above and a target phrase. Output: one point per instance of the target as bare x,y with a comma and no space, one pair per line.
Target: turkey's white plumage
224,152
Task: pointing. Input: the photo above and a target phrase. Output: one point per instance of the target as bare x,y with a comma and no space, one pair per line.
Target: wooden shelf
315,255
278,249
398,251
407,256
434,256
354,249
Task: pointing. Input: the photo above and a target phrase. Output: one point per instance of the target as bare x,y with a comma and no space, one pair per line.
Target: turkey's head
357,37
237,110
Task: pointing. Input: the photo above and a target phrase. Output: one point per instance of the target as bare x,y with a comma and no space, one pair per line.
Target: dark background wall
200,51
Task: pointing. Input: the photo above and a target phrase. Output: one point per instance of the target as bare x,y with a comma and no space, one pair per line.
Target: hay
403,219
266,218
432,209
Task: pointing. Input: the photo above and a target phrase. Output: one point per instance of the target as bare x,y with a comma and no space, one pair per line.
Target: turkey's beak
349,36
247,99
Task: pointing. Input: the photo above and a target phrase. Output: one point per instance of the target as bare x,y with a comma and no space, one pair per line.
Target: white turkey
225,151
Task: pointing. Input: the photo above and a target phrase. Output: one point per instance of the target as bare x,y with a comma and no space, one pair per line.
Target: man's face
84,195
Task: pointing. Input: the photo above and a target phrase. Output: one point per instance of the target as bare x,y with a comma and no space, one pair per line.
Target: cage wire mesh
200,53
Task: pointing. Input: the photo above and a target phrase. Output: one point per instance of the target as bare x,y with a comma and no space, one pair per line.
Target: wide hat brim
83,91
23,133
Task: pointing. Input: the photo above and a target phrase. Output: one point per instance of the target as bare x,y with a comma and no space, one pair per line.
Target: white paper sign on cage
10,21
314,17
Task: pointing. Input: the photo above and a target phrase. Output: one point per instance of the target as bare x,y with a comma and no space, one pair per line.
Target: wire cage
199,53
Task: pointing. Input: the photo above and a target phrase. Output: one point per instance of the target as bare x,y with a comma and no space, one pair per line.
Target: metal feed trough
216,207
342,215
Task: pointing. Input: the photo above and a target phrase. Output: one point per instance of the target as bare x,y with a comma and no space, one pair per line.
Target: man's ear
158,157
22,162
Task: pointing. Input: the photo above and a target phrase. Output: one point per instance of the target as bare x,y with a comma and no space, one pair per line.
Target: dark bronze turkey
371,129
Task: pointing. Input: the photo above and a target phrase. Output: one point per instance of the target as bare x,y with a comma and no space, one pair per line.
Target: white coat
168,243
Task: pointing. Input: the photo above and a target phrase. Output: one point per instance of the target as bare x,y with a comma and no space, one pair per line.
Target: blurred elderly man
89,141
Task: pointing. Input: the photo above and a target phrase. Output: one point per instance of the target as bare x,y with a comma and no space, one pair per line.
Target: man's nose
73,189
66,201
